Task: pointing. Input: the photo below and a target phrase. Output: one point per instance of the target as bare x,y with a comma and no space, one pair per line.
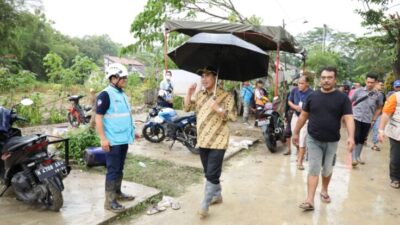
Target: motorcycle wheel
153,133
54,200
269,140
73,120
191,134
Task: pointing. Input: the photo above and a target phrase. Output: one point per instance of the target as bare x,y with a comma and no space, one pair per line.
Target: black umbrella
233,58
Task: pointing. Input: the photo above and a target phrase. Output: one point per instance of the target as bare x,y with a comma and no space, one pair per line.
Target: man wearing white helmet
115,126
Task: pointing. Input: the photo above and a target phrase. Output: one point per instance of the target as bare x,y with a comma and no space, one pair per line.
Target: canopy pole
277,70
216,84
166,50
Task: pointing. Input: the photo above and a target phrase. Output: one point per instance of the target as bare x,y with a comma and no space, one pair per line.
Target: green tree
147,27
376,17
8,21
327,46
95,47
53,64
82,68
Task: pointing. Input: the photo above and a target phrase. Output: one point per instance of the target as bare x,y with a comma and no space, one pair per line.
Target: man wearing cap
396,88
367,105
214,108
390,126
115,127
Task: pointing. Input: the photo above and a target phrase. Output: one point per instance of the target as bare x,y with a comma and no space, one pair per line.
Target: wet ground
264,188
83,203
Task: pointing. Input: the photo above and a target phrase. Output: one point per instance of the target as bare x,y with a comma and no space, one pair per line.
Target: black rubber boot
122,196
110,202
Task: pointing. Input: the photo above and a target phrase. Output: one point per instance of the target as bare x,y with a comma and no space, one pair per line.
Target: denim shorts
321,155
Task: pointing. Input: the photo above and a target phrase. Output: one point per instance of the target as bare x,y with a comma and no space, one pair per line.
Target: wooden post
277,71
166,50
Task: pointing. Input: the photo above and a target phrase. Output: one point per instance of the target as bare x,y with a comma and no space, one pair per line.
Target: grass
170,178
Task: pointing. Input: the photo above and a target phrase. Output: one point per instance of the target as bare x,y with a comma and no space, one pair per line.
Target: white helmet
116,69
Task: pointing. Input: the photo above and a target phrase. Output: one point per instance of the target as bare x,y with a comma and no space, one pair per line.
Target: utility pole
284,55
324,39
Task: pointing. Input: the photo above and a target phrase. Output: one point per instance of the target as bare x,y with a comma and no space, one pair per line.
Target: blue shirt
247,93
297,96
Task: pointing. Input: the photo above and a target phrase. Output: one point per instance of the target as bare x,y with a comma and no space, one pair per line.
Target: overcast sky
88,17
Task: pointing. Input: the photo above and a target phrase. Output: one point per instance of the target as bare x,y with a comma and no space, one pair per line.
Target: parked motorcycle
164,122
27,166
272,126
78,114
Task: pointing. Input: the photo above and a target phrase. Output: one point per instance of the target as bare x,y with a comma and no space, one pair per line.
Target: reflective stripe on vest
116,115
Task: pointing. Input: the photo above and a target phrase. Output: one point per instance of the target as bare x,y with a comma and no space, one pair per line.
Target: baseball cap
396,83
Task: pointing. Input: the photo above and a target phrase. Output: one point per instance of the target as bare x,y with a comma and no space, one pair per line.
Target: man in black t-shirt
324,110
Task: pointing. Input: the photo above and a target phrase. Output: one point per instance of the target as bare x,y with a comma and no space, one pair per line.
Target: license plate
262,123
50,170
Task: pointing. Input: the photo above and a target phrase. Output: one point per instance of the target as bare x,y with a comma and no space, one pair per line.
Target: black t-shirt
325,113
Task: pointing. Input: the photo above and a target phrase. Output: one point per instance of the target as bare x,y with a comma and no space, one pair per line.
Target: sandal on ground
306,206
287,153
175,205
395,184
155,209
300,167
325,198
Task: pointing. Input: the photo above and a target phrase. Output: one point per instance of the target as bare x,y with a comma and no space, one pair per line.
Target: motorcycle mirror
26,102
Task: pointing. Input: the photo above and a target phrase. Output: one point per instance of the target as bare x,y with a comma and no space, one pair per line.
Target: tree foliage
147,27
387,26
27,36
78,73
327,46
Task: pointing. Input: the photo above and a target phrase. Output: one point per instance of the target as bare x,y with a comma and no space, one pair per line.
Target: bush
32,112
79,140
178,102
56,116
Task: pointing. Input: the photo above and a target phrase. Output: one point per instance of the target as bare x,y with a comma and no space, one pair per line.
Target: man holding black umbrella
214,108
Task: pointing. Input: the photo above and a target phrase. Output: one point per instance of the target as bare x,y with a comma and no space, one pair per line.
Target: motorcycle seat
178,119
15,143
75,97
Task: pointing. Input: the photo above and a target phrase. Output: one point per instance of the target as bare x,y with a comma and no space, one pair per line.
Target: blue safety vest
117,122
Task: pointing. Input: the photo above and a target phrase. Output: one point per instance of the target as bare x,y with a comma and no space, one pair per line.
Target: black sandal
306,206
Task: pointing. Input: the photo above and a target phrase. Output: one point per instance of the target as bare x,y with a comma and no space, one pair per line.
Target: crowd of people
314,119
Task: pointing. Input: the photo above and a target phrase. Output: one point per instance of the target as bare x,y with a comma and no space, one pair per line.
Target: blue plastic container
95,156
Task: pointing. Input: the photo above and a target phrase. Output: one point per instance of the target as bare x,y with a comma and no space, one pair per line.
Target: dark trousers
361,132
394,160
115,160
212,163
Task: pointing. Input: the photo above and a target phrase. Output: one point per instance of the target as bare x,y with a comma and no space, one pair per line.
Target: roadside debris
166,202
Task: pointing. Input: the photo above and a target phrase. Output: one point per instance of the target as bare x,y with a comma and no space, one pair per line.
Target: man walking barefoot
324,109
